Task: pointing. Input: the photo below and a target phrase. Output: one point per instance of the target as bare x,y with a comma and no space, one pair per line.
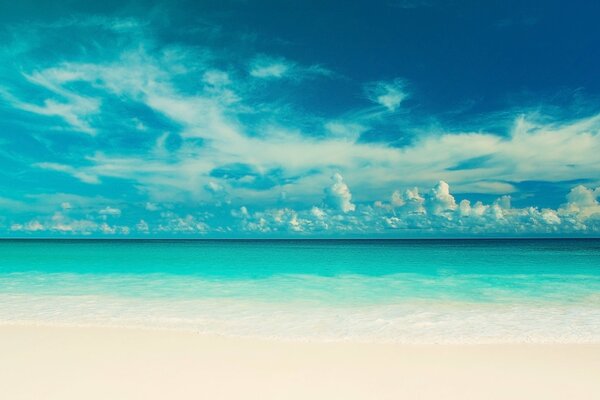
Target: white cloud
345,130
214,133
188,224
151,206
582,203
214,187
550,217
582,197
216,78
540,151
142,226
397,199
58,223
31,226
388,94
411,201
339,194
441,201
265,67
111,211
73,108
78,173
436,211
273,220
318,212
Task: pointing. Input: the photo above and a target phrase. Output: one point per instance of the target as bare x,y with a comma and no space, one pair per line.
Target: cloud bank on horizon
159,122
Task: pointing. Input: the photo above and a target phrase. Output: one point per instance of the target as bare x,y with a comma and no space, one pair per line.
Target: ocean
408,291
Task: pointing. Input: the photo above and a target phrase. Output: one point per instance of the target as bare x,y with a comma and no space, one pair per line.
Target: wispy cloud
78,173
267,67
298,170
389,94
264,67
70,107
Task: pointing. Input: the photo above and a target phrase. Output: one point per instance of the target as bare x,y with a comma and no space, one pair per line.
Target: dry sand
107,363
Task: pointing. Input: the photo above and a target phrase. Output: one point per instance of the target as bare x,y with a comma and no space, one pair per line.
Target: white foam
406,322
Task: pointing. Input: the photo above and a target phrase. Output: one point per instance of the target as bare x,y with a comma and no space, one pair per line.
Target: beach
42,362
286,200
299,320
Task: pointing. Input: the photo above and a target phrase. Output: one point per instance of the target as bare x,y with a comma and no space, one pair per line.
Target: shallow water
406,291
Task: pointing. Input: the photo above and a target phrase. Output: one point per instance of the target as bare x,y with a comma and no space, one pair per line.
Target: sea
405,291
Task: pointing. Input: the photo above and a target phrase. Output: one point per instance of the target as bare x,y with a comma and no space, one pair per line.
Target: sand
110,363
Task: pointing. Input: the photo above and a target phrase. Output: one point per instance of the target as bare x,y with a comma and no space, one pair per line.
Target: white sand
96,363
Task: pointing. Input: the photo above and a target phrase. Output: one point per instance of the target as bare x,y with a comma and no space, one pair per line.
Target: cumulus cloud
318,212
142,226
57,223
410,201
339,194
441,202
31,226
406,212
174,223
437,211
582,202
582,197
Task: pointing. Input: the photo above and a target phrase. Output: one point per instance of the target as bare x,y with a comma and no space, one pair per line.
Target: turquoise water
407,291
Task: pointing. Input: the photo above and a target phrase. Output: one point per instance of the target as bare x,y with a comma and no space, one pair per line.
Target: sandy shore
98,363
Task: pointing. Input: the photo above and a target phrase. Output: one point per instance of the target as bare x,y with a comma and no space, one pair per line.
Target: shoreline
326,340
53,362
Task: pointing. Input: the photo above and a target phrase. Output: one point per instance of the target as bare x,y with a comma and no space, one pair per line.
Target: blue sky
398,118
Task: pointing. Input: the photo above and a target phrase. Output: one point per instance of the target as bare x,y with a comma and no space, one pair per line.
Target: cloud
189,224
268,67
339,194
142,226
582,197
441,202
216,132
71,107
221,114
151,206
216,78
411,201
265,67
31,226
388,94
110,211
78,173
408,212
562,151
345,130
582,203
57,223
442,216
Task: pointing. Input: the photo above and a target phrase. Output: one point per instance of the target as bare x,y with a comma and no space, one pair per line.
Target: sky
270,119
